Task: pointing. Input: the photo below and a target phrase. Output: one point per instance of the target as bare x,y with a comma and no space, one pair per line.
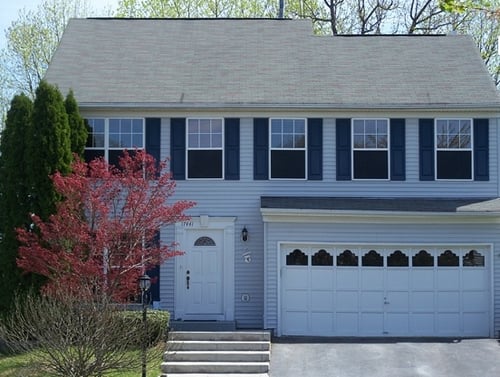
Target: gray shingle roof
224,62
383,204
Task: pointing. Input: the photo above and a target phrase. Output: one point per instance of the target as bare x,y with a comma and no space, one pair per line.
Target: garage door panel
346,278
322,323
322,278
476,324
371,324
473,279
297,299
477,301
422,324
372,301
347,301
422,302
397,323
448,301
398,301
347,323
422,279
448,324
296,278
372,278
322,300
448,278
296,322
398,278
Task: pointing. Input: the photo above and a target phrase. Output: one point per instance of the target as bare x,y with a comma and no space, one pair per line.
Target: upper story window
108,137
288,148
205,141
370,152
454,149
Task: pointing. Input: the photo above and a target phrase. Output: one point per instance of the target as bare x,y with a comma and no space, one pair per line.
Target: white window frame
221,148
387,149
106,146
271,148
470,149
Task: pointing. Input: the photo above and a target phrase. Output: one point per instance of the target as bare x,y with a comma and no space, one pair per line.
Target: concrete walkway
320,357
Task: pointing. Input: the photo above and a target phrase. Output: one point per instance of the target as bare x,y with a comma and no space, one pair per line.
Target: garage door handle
386,302
187,279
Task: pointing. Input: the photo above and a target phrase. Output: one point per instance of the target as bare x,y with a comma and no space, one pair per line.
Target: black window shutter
398,156
481,150
426,149
260,148
315,149
153,137
232,148
178,148
343,146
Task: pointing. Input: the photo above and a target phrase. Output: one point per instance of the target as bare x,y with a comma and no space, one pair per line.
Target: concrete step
215,375
213,367
209,345
179,325
227,356
262,336
191,353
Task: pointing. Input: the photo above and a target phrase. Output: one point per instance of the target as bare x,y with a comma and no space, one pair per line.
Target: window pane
473,259
373,259
370,141
276,141
300,126
454,164
114,140
126,126
397,259
288,164
300,141
91,154
204,140
137,126
114,126
359,141
193,126
371,165
347,258
382,127
137,141
217,125
216,140
287,141
276,126
205,164
370,126
441,127
126,140
193,141
322,258
382,141
448,259
204,126
288,126
422,259
359,126
296,258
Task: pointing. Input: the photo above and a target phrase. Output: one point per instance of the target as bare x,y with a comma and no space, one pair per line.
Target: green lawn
23,365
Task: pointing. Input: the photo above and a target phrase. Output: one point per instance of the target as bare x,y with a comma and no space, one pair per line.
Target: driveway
326,357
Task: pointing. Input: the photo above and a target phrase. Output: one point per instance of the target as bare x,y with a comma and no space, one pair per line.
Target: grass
25,365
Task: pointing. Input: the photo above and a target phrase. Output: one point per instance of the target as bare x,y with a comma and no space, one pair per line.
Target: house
345,186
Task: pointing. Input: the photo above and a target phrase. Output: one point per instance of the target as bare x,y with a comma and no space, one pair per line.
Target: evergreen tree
14,194
48,148
77,126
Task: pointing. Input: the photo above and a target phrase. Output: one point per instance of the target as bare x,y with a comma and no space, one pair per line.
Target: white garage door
349,290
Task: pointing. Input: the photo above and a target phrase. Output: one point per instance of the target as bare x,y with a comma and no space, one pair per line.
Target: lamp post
144,284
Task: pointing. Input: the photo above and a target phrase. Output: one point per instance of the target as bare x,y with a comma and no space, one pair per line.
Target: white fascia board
281,215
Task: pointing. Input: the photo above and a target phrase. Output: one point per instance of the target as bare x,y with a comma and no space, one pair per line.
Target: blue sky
9,11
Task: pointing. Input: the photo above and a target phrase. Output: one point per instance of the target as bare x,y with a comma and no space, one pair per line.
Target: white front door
205,272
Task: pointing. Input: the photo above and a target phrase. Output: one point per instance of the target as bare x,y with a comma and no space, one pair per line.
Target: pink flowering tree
103,234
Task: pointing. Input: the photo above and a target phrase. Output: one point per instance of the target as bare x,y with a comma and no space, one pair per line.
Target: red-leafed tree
102,237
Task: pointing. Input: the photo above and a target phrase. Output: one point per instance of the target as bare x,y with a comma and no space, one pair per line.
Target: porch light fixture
244,234
144,285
